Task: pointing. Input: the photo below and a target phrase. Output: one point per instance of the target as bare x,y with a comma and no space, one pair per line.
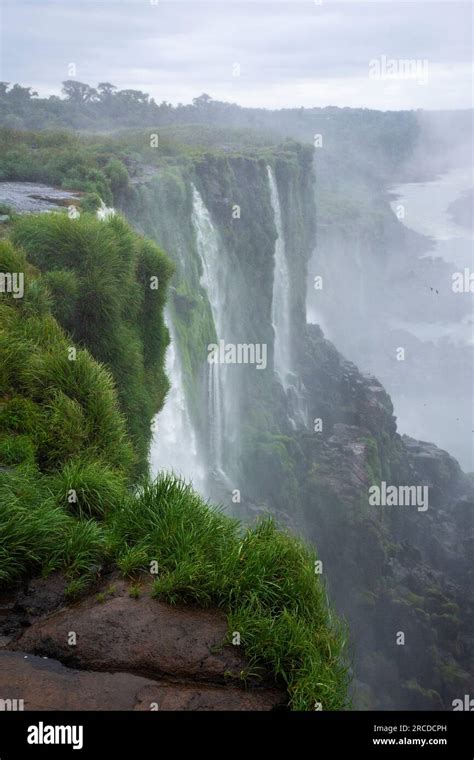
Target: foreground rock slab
45,684
142,636
113,652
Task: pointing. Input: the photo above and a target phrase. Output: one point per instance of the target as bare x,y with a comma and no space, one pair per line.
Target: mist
236,387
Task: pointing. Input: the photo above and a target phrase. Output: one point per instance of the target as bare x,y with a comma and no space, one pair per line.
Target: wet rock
128,653
45,684
21,606
32,197
143,636
200,697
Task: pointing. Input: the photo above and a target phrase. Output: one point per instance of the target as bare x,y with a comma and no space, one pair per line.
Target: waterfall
281,319
215,416
174,445
212,280
104,213
281,294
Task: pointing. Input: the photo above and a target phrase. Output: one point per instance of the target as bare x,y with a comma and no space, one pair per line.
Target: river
444,418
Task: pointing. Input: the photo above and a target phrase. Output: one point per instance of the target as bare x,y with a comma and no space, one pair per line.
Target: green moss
374,468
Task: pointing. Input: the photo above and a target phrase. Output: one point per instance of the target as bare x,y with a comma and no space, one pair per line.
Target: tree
133,97
202,101
105,90
78,92
21,94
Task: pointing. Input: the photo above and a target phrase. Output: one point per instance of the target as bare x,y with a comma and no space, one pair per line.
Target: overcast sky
299,53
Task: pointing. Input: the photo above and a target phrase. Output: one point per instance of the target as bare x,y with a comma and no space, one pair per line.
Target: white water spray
174,445
281,318
212,280
104,213
281,293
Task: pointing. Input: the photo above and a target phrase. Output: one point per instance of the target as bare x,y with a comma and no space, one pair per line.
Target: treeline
364,139
105,106
82,106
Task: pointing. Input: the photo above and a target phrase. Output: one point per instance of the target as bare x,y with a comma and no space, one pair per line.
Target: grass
96,282
37,535
67,502
262,577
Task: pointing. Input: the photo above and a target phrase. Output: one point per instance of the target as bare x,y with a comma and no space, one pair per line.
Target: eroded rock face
391,568
45,684
128,654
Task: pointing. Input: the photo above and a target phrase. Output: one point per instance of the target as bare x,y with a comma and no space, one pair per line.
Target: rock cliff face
403,577
114,652
391,569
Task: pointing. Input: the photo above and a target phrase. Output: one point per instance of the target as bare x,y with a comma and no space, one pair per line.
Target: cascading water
215,415
281,317
174,445
104,213
281,294
212,280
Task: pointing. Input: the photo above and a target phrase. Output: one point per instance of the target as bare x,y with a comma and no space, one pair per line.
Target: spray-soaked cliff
282,422
307,435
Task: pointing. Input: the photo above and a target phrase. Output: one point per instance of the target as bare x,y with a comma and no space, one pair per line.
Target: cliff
126,557
306,444
383,564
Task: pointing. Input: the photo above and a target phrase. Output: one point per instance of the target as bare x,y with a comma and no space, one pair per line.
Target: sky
389,54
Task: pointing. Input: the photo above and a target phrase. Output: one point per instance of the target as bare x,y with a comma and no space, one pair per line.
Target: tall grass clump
54,408
107,289
38,536
65,455
262,577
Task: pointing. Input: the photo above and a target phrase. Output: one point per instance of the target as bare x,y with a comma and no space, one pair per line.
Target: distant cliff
393,570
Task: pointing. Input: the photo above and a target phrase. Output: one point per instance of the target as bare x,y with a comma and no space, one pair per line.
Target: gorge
228,428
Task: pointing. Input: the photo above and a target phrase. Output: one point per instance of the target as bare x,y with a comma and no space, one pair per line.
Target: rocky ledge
110,651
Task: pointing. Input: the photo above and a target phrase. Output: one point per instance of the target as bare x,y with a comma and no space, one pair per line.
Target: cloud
289,53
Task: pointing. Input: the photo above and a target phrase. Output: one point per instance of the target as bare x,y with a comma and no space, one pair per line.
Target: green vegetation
263,578
68,463
52,410
107,288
